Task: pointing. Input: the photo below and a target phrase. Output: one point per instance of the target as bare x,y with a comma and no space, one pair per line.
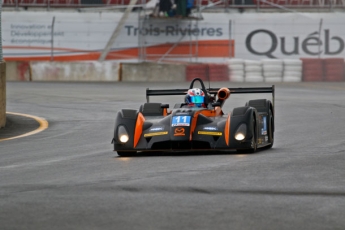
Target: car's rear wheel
253,146
270,129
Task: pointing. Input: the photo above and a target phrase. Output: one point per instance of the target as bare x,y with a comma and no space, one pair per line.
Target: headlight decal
227,130
138,128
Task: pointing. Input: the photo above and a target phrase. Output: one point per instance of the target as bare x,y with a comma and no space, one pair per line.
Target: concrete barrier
74,71
2,94
62,71
153,72
18,71
94,71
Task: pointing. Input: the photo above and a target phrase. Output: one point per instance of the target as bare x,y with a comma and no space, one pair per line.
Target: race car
188,127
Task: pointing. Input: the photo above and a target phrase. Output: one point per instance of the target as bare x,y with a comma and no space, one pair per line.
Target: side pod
242,115
125,118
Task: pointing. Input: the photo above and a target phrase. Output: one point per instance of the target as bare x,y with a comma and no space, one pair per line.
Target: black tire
270,129
254,144
126,153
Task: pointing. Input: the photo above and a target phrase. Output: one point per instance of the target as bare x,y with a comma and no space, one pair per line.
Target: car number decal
180,121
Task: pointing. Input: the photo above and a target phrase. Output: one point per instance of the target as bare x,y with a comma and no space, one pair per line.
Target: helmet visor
197,99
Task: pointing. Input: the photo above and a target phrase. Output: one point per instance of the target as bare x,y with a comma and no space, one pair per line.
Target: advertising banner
289,35
76,36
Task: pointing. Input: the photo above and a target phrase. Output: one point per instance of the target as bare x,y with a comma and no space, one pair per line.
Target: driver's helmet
195,97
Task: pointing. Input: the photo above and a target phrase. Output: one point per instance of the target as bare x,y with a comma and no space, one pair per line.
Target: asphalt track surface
68,177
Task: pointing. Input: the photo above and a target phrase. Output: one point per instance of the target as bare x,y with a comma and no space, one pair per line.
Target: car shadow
192,153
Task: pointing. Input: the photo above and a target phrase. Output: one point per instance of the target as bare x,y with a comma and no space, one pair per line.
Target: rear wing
170,92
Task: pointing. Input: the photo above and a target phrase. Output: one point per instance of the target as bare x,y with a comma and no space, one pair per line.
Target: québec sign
313,44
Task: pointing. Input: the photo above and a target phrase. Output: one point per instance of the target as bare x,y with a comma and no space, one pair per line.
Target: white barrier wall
94,71
153,72
235,70
2,94
74,71
17,71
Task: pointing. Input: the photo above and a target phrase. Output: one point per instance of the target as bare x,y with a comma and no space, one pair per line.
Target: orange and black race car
188,127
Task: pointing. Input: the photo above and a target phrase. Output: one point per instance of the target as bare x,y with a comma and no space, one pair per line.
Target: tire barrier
312,69
253,71
236,70
292,70
333,69
327,69
212,72
287,70
272,70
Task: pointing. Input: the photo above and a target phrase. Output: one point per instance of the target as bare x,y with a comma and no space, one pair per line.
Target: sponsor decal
180,121
179,131
210,133
210,128
156,129
259,141
174,30
155,134
264,126
314,44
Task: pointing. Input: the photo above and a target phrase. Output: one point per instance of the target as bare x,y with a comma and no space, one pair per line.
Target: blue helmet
195,97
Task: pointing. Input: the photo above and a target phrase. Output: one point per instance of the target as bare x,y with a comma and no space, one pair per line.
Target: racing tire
254,144
126,153
270,129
